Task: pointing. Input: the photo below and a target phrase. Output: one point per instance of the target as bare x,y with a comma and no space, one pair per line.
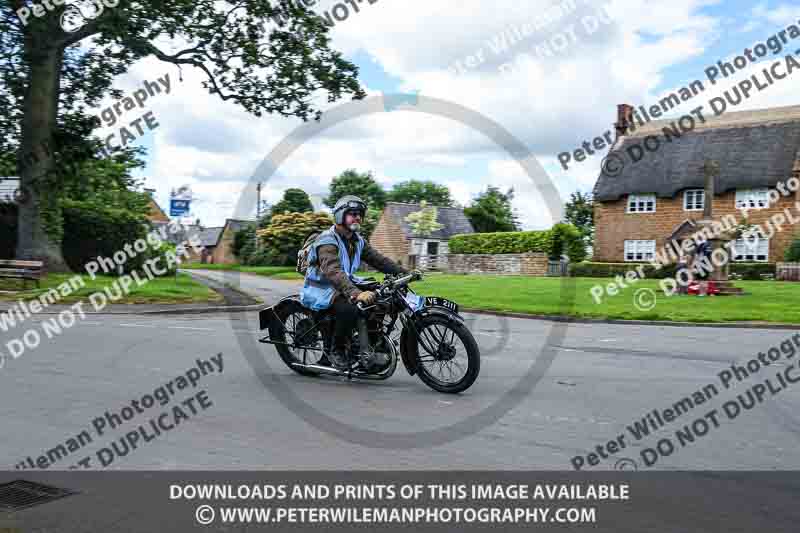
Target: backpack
304,252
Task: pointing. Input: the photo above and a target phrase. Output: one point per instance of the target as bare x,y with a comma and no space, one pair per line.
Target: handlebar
391,283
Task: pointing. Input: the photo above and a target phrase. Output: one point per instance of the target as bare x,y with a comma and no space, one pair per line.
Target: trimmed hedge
752,271
95,230
587,269
562,238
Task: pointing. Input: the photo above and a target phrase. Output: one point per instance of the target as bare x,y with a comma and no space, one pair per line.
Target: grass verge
157,291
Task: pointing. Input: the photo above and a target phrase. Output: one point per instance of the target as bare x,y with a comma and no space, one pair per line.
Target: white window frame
638,203
751,249
693,194
752,198
639,250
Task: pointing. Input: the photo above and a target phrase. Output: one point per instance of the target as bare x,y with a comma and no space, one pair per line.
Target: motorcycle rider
334,259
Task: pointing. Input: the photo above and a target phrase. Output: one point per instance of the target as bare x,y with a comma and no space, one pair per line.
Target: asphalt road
602,378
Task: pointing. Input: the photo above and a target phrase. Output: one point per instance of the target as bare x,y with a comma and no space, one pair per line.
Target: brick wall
529,264
613,225
223,251
388,238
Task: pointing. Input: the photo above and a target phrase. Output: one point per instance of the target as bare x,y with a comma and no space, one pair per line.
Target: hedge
562,238
752,271
95,230
586,269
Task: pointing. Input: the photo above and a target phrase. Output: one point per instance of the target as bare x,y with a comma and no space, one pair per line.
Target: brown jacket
331,266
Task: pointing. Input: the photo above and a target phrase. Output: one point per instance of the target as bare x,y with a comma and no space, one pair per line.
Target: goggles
355,205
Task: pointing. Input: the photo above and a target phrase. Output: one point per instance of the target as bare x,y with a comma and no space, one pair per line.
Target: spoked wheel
303,340
449,357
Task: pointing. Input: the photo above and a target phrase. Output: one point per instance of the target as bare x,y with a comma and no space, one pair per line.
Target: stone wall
528,264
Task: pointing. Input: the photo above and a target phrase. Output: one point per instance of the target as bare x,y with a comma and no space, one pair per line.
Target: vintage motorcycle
433,343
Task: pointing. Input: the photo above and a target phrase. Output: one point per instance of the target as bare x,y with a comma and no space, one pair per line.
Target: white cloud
550,104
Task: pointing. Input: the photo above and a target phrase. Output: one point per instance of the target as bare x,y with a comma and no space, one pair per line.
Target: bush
162,251
95,230
282,239
587,269
792,254
752,271
562,238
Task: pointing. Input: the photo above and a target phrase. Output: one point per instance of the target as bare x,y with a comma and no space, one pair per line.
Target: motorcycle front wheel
449,358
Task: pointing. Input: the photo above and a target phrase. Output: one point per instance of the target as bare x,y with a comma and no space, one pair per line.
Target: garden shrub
285,235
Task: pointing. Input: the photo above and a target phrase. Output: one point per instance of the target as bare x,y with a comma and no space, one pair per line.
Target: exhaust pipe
336,372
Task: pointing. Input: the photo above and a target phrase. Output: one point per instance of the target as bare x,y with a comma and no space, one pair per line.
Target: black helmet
348,203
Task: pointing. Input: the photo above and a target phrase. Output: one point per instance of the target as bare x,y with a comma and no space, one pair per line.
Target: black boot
338,357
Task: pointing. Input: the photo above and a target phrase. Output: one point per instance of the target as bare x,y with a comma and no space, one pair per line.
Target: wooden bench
24,270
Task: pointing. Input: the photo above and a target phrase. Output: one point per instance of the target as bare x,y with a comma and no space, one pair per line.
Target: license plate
441,302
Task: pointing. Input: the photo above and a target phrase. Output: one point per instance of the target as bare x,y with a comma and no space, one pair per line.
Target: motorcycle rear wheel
297,320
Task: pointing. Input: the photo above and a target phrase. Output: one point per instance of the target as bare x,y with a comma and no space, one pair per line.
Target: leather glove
366,298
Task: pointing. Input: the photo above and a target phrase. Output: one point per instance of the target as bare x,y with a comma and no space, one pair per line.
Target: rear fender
272,317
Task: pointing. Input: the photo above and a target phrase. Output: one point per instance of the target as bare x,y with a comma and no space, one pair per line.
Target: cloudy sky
465,52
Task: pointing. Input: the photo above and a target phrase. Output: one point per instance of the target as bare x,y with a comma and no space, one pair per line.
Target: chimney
624,119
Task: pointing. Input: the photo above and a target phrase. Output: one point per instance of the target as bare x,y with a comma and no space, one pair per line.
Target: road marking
135,325
187,327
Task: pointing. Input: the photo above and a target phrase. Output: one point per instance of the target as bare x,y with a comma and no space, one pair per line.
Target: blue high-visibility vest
318,292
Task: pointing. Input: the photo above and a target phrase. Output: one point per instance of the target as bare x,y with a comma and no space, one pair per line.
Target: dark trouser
345,319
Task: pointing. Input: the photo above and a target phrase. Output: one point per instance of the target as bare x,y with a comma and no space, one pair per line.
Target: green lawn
767,301
159,290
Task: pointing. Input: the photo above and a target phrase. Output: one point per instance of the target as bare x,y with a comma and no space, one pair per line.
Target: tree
491,211
423,222
48,76
579,212
414,192
294,201
360,184
284,237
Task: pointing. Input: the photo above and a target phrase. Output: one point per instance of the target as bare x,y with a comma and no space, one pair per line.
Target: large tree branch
176,60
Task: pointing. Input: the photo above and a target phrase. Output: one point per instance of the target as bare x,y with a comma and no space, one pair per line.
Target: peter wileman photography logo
76,14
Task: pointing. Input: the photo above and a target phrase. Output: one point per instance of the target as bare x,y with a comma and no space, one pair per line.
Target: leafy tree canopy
50,77
414,192
579,211
294,201
491,212
361,184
